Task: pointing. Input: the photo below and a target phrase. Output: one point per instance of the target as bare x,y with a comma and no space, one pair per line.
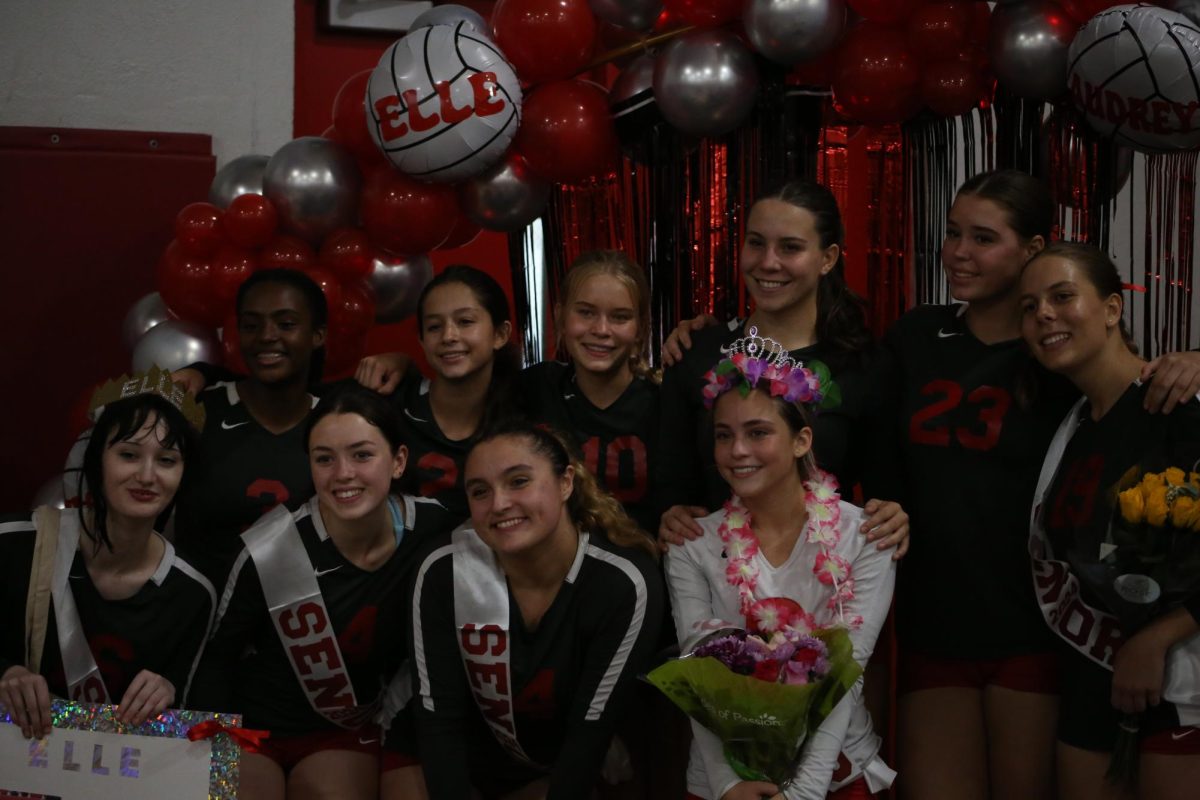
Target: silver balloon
314,184
505,198
1028,49
243,175
452,14
791,31
51,493
635,15
142,316
705,82
174,344
397,282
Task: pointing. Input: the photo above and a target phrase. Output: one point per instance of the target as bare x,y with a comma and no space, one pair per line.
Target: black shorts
1086,717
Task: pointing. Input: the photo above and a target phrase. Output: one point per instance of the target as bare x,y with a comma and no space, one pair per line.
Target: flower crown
753,358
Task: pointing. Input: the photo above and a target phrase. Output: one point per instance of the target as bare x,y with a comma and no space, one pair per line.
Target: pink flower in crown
831,568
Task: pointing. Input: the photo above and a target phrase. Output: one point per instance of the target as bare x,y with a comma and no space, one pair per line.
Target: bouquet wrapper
762,724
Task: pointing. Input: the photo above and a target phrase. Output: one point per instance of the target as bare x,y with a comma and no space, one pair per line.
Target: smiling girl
312,622
791,263
129,616
1071,320
805,549
530,626
604,398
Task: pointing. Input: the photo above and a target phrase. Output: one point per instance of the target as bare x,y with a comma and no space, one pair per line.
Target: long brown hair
591,508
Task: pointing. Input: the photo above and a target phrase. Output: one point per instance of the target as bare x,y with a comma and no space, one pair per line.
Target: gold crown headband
152,381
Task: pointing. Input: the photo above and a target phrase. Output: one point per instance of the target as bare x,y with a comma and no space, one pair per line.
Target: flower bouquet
762,696
1147,563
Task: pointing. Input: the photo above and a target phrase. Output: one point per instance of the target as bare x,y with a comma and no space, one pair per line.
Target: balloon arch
649,125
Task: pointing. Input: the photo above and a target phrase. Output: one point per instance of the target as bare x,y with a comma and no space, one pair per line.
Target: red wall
324,61
84,217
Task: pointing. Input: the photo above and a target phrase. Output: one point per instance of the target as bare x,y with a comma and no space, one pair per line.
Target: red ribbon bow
250,740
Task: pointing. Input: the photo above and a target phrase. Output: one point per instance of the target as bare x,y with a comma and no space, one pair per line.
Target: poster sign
89,755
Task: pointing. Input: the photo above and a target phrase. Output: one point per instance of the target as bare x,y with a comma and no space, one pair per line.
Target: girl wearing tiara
97,607
791,264
792,538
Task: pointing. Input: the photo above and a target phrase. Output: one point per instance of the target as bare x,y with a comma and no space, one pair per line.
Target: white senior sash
1096,633
84,682
481,615
301,620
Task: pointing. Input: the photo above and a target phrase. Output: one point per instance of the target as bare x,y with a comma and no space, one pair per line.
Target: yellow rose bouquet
1148,564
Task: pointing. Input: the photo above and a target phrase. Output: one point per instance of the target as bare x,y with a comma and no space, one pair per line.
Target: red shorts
1033,672
288,751
1172,742
852,791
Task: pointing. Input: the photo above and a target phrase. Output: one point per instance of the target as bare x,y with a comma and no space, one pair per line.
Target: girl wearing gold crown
97,606
783,555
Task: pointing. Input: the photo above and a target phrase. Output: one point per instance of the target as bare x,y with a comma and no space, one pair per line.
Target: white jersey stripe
418,633
607,683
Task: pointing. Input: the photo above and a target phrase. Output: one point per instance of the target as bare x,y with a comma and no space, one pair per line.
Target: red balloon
231,346
567,133
1083,10
330,285
198,228
350,116
230,266
465,231
356,312
405,216
704,13
346,253
951,88
544,40
286,251
186,285
935,30
981,23
885,12
342,356
250,220
876,78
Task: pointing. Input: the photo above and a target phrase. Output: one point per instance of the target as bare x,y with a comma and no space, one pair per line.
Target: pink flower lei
774,614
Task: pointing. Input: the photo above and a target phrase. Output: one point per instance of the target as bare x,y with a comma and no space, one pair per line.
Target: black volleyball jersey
435,462
968,461
244,472
686,471
245,668
1098,461
162,627
617,444
569,677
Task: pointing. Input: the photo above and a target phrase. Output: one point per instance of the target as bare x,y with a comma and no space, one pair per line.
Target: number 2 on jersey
991,403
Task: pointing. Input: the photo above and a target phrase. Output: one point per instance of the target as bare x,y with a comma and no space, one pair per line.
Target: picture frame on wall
369,16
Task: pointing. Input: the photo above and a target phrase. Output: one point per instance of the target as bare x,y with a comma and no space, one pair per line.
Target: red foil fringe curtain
1169,209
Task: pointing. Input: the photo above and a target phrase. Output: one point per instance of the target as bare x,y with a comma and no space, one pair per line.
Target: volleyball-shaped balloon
1135,73
443,104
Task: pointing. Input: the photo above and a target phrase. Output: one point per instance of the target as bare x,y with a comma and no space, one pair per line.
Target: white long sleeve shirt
700,594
